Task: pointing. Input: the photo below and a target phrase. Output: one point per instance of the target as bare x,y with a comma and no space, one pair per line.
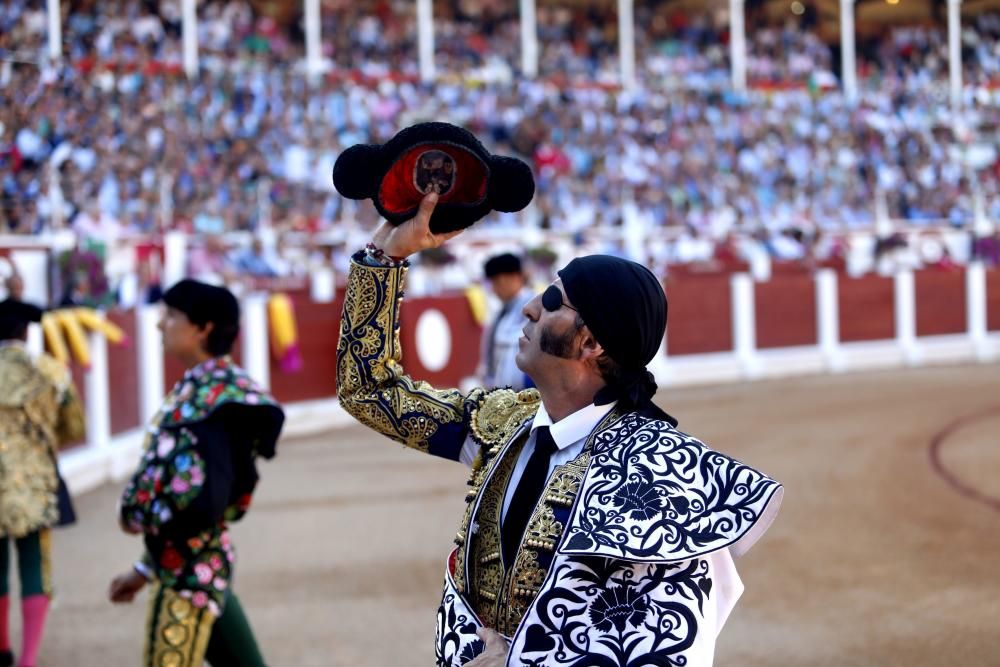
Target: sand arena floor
885,552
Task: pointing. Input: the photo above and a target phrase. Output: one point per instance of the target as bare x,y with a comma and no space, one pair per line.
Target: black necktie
529,490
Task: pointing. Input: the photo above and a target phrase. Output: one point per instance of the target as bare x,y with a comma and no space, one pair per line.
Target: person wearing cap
197,473
39,412
499,344
595,533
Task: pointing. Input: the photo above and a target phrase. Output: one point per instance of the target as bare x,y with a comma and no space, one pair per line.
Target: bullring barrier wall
722,328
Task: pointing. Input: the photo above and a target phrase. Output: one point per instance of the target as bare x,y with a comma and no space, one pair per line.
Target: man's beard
558,345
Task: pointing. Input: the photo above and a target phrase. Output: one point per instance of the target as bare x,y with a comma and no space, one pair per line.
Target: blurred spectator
257,261
987,248
499,344
208,262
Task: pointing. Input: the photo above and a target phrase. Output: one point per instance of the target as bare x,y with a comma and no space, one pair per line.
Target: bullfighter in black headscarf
595,533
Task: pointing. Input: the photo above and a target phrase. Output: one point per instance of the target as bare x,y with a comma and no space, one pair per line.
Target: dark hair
502,264
612,372
220,338
201,304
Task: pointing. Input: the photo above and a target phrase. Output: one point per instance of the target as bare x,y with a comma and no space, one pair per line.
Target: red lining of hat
397,194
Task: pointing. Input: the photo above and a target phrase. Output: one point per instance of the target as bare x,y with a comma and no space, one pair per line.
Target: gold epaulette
499,413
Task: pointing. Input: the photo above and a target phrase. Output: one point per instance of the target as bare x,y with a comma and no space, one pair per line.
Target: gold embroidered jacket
39,412
629,553
372,387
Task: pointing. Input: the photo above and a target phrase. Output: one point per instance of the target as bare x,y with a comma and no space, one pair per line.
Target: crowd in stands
115,139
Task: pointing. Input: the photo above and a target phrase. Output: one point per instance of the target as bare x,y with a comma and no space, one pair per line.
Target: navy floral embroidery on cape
606,612
654,493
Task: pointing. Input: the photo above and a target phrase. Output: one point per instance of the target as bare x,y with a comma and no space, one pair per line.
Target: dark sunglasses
552,299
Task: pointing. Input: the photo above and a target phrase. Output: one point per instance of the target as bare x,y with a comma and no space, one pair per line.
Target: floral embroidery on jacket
172,474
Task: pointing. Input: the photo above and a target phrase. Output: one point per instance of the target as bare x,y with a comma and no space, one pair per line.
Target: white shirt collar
574,427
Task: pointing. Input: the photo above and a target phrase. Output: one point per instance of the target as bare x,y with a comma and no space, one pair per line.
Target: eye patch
552,299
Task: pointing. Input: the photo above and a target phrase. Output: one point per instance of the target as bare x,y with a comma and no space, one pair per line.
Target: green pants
178,634
34,563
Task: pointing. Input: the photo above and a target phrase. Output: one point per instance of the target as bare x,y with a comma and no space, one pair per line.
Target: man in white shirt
595,533
499,344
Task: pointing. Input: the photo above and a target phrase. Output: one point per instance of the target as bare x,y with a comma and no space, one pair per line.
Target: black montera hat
434,157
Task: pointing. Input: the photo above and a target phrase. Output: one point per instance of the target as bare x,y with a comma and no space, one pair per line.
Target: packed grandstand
115,142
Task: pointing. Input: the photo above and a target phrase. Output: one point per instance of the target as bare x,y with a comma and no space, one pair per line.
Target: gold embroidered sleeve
371,384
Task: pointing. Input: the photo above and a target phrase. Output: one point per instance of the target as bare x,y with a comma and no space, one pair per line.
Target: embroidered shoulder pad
498,413
653,493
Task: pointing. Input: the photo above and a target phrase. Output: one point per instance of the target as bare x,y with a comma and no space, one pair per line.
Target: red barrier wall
700,314
318,326
866,308
785,309
700,322
123,375
940,302
993,300
465,337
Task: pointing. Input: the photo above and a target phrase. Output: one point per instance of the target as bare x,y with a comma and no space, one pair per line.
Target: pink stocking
33,609
4,612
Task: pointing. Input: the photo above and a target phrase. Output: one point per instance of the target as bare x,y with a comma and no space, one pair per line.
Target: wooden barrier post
149,352
828,320
98,398
975,310
256,339
904,302
744,325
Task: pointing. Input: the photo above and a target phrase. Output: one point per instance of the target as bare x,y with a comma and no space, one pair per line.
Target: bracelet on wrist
380,257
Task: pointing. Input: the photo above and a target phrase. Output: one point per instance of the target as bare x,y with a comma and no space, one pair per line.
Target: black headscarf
623,305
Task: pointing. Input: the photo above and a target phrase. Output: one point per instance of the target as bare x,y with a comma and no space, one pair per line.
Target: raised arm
371,383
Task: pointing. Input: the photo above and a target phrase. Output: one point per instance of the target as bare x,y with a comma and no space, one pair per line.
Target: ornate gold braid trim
523,581
370,380
544,532
502,596
485,565
45,550
178,632
494,418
